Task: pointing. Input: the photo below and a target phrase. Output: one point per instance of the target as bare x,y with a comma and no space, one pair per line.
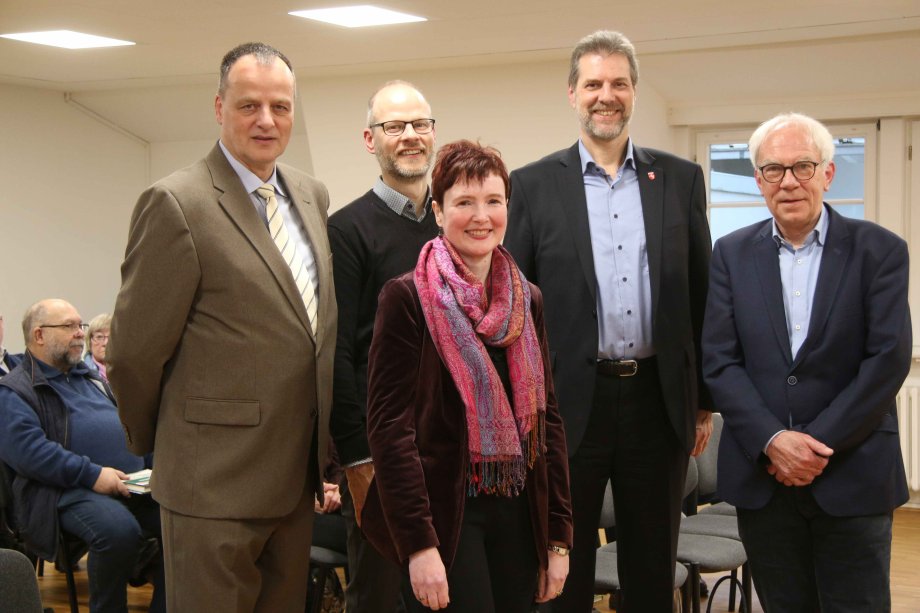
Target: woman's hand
551,580
332,499
429,578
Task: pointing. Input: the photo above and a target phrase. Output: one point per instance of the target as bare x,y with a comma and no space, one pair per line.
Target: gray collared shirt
398,203
617,226
798,270
292,219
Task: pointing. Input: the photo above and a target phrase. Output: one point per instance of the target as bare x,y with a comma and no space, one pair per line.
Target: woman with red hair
471,490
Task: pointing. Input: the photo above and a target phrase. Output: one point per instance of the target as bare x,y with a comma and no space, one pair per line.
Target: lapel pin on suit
651,175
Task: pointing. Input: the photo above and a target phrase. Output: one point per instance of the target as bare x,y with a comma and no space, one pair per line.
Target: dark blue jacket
35,503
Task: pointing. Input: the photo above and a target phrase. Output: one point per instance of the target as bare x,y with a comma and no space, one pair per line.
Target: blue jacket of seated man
57,432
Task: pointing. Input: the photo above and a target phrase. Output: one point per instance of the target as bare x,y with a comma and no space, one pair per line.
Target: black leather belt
624,368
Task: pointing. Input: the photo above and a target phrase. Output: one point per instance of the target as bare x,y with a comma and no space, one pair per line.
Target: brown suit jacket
418,437
212,358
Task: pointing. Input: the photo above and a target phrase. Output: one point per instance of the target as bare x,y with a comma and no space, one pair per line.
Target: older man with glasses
806,341
61,436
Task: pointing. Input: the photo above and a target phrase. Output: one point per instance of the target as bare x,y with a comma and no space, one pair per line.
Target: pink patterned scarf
504,439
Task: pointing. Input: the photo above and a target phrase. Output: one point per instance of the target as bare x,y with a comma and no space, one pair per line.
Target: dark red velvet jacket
417,431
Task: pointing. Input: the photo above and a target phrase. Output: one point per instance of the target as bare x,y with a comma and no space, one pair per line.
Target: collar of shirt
250,181
398,203
589,166
79,369
819,233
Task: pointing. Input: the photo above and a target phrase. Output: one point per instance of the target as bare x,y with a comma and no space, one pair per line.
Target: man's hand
797,458
359,480
429,578
551,580
110,483
703,431
332,499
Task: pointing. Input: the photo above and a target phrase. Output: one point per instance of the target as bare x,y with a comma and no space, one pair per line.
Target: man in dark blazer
616,238
806,343
222,361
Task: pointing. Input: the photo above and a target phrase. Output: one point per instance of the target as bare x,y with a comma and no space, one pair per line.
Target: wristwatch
559,550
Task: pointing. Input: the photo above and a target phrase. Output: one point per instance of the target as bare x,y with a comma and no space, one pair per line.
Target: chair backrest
707,462
608,516
693,477
18,585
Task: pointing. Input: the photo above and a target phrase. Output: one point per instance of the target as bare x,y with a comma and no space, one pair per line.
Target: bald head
399,94
53,333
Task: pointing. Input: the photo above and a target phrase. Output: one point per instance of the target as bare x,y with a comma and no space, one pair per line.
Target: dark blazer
205,291
418,436
841,386
549,237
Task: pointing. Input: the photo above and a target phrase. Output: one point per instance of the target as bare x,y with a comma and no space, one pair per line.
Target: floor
905,577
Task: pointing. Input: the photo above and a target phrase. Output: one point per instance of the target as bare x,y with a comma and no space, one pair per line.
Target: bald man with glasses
61,437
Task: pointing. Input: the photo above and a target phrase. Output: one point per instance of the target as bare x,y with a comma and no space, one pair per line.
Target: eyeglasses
100,338
71,327
396,128
774,173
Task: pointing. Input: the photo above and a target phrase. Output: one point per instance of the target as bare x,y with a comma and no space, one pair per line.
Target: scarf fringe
506,476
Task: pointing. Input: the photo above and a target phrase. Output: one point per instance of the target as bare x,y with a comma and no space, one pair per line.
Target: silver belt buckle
634,364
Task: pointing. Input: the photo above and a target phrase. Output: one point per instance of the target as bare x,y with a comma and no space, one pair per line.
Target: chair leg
731,590
317,589
746,585
694,579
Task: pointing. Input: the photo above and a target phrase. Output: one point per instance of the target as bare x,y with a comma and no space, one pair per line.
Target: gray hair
604,42
264,54
102,321
35,314
820,135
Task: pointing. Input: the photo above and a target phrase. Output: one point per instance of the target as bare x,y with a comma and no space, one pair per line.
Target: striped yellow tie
288,249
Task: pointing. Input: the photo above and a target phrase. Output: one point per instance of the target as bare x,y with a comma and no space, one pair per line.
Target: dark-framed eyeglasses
396,128
71,327
803,171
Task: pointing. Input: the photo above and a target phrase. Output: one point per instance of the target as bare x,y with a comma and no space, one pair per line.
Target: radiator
909,427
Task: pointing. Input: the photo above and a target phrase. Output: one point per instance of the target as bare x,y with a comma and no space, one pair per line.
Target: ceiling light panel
67,39
358,16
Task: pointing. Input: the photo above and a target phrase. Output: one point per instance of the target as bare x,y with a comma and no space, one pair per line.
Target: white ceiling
691,51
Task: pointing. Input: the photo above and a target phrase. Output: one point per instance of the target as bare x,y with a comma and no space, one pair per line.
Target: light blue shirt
798,270
292,220
624,293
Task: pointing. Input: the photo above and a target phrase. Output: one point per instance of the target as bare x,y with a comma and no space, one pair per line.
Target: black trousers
630,441
804,560
495,570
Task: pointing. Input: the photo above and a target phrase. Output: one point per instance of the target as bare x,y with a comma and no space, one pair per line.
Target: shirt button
630,344
629,311
624,279
798,293
620,247
799,261
798,327
792,380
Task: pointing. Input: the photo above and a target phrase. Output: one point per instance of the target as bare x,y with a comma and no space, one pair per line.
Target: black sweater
370,245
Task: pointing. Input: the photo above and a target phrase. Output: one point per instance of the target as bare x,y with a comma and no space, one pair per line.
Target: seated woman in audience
97,339
471,490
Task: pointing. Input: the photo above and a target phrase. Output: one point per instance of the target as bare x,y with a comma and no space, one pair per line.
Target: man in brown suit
222,361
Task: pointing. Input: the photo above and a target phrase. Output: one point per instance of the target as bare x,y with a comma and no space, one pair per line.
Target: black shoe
147,558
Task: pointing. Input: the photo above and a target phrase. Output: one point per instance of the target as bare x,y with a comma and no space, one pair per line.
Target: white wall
68,186
521,109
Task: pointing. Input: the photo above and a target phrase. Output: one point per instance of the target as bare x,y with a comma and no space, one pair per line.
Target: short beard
609,134
390,165
65,357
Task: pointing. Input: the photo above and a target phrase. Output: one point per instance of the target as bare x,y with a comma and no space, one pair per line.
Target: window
735,200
